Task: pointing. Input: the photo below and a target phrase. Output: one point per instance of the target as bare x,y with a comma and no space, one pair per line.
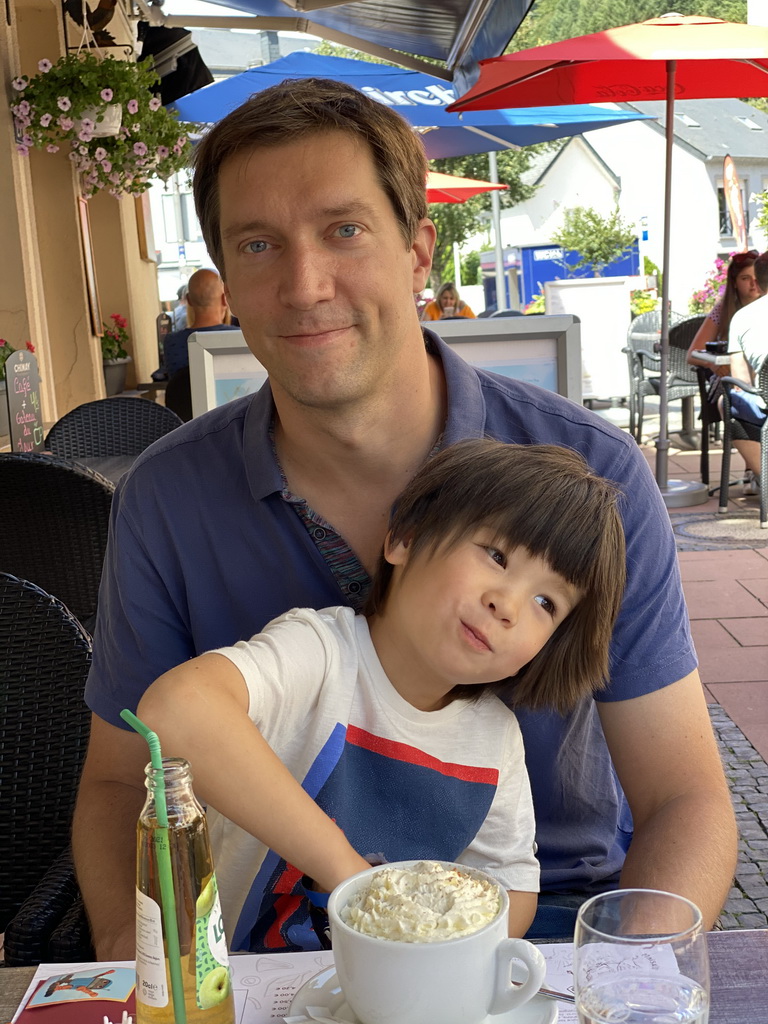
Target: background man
205,298
312,203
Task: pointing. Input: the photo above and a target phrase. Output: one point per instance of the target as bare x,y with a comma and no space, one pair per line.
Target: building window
180,221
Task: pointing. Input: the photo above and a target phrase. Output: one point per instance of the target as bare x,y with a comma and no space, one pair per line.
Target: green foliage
64,104
537,304
761,198
550,21
455,222
642,302
470,268
115,338
598,240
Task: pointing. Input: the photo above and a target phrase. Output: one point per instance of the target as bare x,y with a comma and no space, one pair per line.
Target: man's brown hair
544,499
299,107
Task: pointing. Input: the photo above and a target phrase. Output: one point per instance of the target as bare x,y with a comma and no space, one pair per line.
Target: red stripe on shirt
412,755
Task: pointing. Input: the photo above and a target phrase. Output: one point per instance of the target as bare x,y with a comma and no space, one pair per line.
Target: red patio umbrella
447,188
663,58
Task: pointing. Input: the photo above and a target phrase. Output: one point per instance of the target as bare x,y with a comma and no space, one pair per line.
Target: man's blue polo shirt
204,551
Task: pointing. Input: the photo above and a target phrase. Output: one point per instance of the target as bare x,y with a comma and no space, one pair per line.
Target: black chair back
110,426
178,394
45,656
65,511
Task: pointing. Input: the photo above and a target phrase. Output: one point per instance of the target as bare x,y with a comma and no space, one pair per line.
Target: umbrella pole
676,493
501,284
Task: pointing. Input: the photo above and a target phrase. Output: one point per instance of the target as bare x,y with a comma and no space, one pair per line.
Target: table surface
738,962
711,358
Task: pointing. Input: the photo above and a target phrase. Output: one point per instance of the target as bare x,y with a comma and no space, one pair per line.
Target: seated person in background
179,313
446,304
748,348
740,290
209,312
504,564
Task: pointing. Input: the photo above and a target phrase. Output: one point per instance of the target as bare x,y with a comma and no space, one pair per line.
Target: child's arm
200,712
522,910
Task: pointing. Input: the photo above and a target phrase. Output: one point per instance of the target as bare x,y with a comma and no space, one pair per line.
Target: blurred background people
446,304
740,289
179,312
208,311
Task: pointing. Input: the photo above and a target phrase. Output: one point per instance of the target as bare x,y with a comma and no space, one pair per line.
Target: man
179,314
748,347
206,300
312,203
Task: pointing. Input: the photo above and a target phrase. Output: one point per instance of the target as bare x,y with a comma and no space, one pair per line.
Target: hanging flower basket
118,133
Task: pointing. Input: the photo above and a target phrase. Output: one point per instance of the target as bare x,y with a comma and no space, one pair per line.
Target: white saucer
324,990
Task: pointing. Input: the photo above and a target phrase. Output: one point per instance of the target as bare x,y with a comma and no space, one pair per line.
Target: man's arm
109,801
668,764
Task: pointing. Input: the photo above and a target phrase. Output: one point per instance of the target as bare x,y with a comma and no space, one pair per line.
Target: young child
329,737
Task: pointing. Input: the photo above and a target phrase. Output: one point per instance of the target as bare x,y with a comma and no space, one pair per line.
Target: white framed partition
543,350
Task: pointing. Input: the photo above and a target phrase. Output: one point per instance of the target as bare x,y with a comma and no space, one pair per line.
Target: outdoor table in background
737,958
711,358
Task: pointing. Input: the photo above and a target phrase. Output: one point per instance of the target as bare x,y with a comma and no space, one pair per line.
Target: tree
550,21
598,240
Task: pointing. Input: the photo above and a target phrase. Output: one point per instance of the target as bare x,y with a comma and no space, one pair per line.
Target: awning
458,32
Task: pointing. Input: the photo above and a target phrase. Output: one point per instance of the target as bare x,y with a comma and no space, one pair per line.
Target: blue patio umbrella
420,98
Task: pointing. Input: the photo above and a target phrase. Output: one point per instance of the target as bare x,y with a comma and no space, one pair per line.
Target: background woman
740,289
446,304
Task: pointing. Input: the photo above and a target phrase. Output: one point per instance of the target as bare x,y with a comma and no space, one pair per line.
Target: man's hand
668,764
109,802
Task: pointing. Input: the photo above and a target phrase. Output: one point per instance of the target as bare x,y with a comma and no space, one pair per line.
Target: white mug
456,981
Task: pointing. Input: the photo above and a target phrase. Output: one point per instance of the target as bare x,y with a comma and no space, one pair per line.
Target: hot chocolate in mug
451,981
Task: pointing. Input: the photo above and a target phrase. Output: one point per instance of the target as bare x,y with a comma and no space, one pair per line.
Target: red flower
120,321
3,342
30,346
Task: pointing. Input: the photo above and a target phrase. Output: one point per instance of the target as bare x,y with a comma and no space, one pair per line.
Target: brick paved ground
747,905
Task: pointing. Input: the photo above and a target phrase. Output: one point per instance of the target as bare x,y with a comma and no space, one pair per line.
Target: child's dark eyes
497,556
546,603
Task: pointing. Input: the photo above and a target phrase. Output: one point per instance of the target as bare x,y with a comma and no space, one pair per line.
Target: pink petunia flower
23,150
140,148
66,123
23,108
46,119
100,154
87,124
27,140
83,150
64,103
136,127
133,106
154,103
20,84
106,166
106,95
84,135
44,65
162,152
50,148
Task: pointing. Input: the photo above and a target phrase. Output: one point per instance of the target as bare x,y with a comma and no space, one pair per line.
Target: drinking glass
640,957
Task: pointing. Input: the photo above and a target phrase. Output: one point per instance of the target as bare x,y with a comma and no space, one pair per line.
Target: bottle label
151,985
211,958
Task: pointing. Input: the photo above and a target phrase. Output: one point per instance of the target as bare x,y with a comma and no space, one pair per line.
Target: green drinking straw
163,850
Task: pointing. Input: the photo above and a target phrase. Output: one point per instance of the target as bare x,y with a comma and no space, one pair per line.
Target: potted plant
6,351
114,356
104,110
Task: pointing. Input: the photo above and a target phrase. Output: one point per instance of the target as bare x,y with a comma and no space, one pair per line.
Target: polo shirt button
318,533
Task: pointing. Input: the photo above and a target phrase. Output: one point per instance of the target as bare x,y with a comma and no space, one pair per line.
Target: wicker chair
682,379
644,364
732,429
110,426
66,514
44,659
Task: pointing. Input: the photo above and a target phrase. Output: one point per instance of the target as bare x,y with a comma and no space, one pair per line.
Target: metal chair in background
110,426
734,430
643,364
45,656
682,379
66,520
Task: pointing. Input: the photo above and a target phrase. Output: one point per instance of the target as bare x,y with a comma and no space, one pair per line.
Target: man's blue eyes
345,231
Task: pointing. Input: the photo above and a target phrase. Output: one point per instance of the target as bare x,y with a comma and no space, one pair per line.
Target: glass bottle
208,994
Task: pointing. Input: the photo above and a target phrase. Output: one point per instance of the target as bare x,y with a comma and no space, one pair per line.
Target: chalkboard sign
24,413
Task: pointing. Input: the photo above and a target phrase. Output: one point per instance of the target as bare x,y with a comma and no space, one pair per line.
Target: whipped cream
427,902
